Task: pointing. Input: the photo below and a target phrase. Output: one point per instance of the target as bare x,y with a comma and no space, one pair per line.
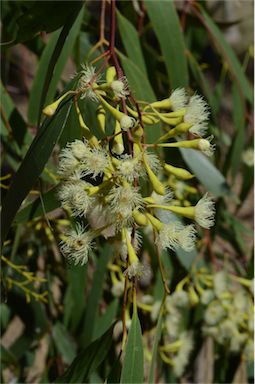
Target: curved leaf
132,371
32,165
229,55
45,203
206,172
155,348
51,65
165,21
131,42
88,360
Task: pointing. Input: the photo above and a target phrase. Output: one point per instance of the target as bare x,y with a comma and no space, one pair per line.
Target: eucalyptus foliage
126,172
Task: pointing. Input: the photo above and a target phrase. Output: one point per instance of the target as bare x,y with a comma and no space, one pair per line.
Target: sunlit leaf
165,21
133,364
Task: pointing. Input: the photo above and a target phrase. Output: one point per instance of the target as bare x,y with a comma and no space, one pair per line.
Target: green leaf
5,314
206,172
132,371
41,73
186,258
153,364
142,91
248,181
104,321
72,130
165,22
137,80
88,360
18,129
32,165
7,358
201,80
51,65
47,202
74,301
239,140
229,56
95,294
131,42
63,342
44,16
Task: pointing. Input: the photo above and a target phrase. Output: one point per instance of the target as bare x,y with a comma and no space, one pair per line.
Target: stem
210,249
106,53
102,21
140,23
124,334
112,40
164,281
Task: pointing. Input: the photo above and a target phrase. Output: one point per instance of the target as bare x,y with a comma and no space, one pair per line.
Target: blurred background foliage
52,312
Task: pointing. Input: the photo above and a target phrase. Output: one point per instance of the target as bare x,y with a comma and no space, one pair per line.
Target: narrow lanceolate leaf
131,42
201,80
165,22
155,349
186,258
43,16
52,63
229,55
206,172
142,89
13,126
32,165
88,360
95,295
104,321
132,371
74,300
137,80
47,202
65,346
239,140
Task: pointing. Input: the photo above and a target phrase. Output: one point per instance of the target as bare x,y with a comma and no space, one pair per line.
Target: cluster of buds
178,341
229,314
226,302
101,179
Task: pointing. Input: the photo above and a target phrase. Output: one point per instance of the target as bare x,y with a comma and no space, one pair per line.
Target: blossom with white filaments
129,168
197,115
95,162
204,212
88,77
206,147
175,235
122,200
77,244
181,359
74,196
178,99
120,87
127,122
81,156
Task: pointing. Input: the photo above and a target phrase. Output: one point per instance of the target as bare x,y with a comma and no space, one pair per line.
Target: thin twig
164,281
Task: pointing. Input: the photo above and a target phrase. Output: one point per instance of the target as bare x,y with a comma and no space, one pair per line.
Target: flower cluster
225,303
101,179
178,342
228,316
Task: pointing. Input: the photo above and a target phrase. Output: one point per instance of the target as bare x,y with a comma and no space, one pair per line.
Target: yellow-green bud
139,218
110,74
180,173
156,184
101,118
118,146
155,222
50,109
